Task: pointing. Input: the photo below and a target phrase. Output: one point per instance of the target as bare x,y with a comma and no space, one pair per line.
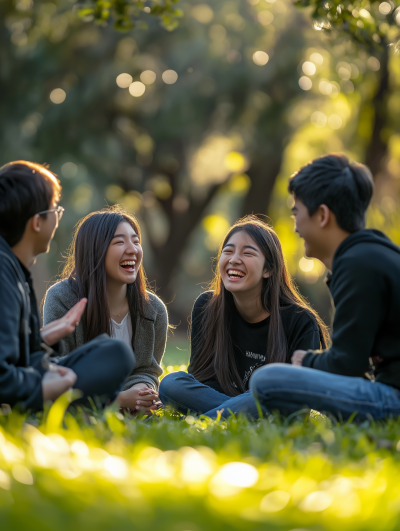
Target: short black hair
26,188
345,187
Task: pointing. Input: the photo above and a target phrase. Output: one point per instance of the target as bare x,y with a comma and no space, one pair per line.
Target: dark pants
186,394
101,366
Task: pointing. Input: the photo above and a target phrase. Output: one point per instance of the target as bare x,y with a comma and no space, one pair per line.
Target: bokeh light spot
274,501
265,17
373,64
235,162
316,58
318,119
238,475
202,13
22,474
309,68
305,83
335,121
69,170
137,89
260,58
306,265
316,501
148,77
124,80
385,8
58,95
170,77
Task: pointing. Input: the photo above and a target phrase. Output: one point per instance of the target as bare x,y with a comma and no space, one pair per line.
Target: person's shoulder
155,305
202,300
10,274
294,315
63,290
7,267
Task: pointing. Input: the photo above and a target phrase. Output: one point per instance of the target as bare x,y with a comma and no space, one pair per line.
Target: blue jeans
183,392
288,388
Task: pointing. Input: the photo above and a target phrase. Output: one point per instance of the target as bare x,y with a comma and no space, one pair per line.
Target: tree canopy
193,128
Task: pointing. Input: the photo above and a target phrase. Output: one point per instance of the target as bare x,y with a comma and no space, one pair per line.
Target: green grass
177,351
104,472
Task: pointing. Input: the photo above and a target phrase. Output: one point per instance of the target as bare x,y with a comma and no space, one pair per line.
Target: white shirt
122,330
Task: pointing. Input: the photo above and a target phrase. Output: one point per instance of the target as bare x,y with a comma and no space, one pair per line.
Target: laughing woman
105,266
253,316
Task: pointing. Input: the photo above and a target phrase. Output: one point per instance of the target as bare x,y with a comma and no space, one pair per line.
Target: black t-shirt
250,340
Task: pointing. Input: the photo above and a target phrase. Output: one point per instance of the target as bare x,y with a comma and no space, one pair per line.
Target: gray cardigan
150,339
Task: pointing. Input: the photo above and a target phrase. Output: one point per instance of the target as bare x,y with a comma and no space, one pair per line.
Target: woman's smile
235,275
128,265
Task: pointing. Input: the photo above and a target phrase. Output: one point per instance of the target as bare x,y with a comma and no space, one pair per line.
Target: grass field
104,472
177,351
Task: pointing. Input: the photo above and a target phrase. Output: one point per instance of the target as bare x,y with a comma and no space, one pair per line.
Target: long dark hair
85,269
278,290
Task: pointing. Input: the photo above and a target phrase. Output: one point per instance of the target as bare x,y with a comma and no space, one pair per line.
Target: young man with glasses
29,217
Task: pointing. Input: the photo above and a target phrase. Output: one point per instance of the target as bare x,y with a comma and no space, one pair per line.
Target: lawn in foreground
107,472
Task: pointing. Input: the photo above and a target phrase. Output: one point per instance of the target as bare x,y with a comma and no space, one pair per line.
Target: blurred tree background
192,128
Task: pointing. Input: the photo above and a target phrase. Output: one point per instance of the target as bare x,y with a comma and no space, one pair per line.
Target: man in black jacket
331,197
29,216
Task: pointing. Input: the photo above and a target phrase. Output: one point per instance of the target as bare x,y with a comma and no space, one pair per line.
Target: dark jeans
183,392
102,366
288,388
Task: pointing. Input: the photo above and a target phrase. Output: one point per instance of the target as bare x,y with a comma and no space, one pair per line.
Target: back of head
345,187
26,189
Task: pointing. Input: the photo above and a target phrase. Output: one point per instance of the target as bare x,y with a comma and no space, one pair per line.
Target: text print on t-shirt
248,373
255,356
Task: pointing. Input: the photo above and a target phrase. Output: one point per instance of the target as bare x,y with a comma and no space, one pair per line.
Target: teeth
128,263
234,273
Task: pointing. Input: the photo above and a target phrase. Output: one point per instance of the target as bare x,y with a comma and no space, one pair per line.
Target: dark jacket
19,334
365,287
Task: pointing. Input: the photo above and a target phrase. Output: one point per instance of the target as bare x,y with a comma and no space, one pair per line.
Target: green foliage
128,14
106,472
372,24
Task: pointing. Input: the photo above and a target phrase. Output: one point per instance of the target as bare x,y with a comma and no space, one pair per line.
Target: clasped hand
138,399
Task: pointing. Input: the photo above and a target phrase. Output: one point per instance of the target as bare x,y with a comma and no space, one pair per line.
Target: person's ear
266,273
324,215
35,223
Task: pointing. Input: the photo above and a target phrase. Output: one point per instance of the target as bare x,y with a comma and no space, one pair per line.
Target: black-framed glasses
59,212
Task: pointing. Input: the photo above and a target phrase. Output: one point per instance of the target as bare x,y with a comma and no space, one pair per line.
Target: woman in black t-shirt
253,315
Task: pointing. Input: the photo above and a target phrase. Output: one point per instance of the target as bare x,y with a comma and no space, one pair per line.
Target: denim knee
266,379
169,385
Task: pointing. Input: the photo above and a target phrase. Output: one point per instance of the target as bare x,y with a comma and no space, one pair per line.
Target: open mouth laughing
235,274
128,265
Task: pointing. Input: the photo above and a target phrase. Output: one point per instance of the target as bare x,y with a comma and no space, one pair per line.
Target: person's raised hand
138,398
56,381
56,330
297,357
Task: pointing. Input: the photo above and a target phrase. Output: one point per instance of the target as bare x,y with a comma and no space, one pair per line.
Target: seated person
29,216
331,196
252,316
105,267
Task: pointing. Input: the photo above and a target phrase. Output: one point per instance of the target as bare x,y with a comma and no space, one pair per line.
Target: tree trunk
167,255
263,175
377,148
